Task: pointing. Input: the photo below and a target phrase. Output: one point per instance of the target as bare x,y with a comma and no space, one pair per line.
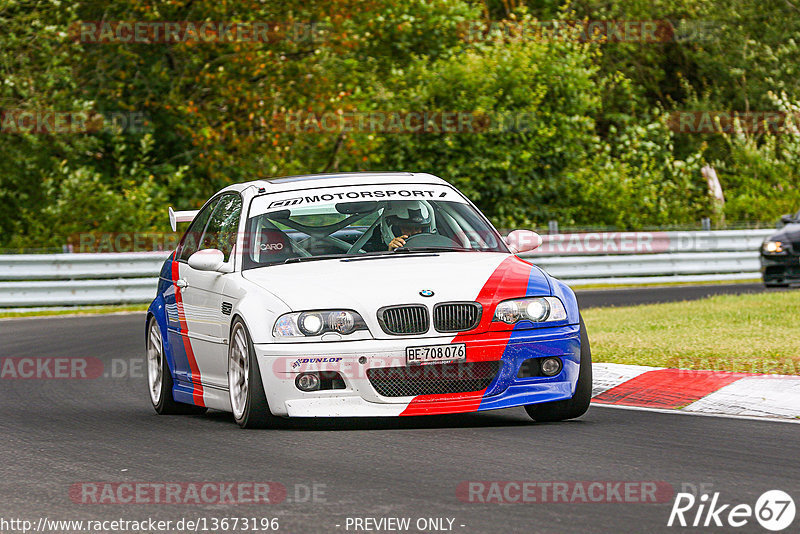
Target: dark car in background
780,254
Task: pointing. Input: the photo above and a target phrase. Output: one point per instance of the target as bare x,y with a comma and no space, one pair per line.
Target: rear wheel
246,389
159,378
579,403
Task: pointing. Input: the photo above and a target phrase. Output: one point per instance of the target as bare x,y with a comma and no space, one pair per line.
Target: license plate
456,352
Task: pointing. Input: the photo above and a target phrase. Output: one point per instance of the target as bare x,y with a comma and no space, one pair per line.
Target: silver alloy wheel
155,358
238,371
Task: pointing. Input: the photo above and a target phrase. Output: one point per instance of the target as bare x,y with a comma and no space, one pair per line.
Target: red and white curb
700,392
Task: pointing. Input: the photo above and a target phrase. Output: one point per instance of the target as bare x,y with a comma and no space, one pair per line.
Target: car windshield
340,222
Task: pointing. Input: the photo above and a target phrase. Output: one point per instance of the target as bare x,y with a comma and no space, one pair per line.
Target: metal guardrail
33,280
653,265
77,292
635,258
80,266
591,243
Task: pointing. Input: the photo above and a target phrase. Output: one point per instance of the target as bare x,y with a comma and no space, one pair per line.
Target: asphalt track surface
56,433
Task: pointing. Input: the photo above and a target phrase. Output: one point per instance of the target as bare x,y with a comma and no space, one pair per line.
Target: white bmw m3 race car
366,294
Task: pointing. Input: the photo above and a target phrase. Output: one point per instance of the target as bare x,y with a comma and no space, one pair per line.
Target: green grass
78,310
757,333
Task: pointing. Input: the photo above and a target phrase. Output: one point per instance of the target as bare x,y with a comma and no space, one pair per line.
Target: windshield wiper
299,259
404,250
400,250
334,256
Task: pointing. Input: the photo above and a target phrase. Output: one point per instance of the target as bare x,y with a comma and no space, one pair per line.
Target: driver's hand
398,242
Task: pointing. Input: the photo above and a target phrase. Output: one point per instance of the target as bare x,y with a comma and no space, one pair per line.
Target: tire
159,377
245,387
579,403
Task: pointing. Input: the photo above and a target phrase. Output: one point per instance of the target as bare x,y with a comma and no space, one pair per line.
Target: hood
789,233
365,284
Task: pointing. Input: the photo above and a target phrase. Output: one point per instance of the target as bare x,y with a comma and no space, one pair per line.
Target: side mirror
523,241
209,259
787,219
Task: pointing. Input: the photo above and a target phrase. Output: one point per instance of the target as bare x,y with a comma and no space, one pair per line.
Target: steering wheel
427,239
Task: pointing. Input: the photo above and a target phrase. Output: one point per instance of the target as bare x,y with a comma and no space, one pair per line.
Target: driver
403,218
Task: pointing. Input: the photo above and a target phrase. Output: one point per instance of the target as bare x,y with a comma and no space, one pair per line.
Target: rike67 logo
774,510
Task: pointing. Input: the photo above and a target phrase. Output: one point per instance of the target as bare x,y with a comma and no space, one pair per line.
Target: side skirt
213,397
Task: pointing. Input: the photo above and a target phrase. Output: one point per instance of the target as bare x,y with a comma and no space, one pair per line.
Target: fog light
551,366
307,382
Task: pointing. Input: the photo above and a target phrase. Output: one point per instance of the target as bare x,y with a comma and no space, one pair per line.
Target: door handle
181,283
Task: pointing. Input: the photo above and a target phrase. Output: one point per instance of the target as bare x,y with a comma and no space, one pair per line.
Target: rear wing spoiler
176,217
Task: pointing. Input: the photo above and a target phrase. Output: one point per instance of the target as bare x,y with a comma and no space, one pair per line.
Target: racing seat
273,246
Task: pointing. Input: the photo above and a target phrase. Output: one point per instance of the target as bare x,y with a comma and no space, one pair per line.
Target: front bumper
281,363
780,268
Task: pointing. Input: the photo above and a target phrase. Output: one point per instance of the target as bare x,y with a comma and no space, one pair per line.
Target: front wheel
248,400
159,378
579,403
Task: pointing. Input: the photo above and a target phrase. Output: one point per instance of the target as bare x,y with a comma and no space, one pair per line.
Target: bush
760,173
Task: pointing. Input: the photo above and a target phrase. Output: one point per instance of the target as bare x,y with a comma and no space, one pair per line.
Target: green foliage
636,182
589,144
761,173
539,97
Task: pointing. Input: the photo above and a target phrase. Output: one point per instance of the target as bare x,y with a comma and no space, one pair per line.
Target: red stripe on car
197,387
509,280
444,403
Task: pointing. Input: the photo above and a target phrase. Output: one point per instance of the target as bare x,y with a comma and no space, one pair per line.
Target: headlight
773,247
316,323
311,324
535,309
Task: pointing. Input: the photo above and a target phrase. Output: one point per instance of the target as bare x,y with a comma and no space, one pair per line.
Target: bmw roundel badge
426,293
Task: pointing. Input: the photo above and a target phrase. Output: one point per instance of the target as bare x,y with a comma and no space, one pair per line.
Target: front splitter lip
280,365
356,406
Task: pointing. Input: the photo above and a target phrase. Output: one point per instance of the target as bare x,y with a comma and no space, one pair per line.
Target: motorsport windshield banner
333,195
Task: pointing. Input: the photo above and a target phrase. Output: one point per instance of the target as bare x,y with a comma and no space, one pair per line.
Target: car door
206,306
183,361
